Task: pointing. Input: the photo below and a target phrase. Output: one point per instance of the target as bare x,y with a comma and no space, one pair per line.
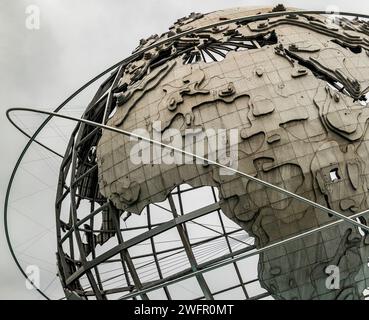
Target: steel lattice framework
80,207
83,140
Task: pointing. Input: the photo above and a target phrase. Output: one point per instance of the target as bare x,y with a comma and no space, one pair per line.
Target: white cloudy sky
77,40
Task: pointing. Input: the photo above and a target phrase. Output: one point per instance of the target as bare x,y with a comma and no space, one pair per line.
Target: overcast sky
78,39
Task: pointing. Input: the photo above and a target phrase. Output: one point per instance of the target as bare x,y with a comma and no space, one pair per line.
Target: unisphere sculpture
293,86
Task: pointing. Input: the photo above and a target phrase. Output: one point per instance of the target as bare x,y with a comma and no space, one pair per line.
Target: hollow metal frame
87,266
69,158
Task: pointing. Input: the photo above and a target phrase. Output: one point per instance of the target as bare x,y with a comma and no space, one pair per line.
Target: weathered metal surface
294,86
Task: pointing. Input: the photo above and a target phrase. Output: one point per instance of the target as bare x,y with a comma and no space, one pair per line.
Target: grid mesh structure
105,252
82,264
159,245
185,242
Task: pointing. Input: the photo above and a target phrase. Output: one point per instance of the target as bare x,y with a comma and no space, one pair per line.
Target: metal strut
32,138
209,161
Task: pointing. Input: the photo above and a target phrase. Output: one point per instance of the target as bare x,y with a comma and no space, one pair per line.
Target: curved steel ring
123,62
342,218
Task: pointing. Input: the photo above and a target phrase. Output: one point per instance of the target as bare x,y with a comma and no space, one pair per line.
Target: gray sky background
78,39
